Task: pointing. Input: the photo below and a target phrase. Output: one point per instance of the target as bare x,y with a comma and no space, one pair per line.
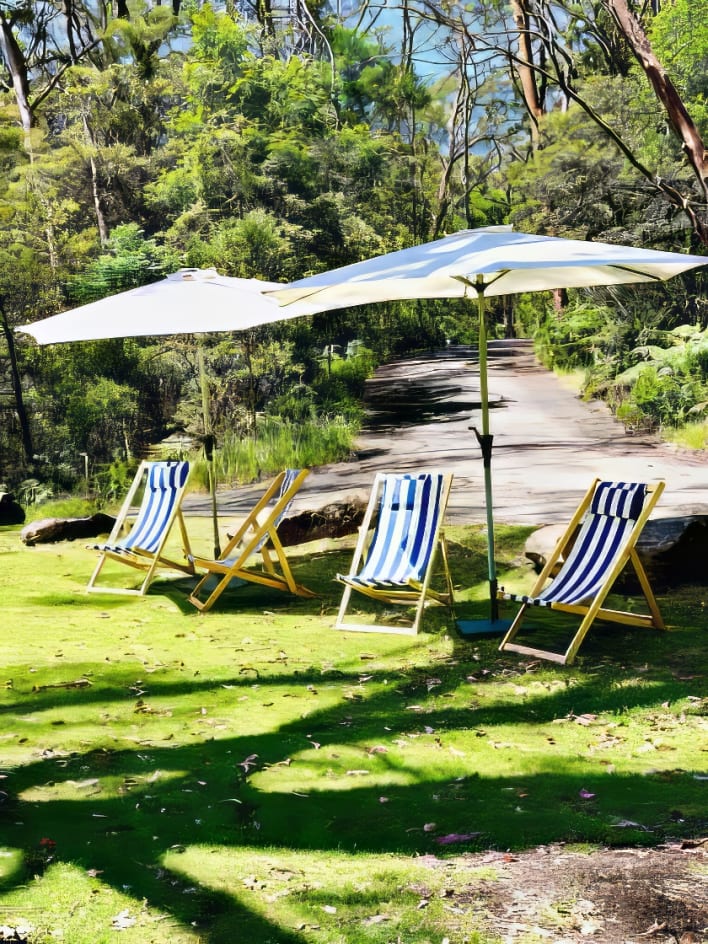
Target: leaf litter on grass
329,758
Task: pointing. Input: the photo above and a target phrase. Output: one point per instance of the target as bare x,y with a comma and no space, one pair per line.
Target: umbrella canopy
484,262
493,260
189,301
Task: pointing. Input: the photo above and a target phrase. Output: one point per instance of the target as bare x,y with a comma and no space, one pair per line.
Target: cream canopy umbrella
190,301
483,262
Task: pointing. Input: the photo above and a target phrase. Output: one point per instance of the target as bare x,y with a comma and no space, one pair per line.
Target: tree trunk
69,18
681,122
525,69
25,431
103,233
17,67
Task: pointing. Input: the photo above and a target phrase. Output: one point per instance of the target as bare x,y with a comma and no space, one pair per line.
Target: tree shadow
286,790
129,813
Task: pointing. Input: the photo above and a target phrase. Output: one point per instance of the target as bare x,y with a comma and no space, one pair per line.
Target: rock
540,544
332,521
673,551
10,511
50,530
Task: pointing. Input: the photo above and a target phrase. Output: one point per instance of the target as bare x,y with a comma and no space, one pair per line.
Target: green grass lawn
253,775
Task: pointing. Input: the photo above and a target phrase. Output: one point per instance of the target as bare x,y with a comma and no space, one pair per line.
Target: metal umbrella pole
209,443
485,439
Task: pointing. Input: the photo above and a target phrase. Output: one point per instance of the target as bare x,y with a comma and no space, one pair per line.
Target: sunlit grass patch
690,436
339,898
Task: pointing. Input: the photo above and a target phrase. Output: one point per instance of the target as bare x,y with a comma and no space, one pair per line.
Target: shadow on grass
243,793
309,785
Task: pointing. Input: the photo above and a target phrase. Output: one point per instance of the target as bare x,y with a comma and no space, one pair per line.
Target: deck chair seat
597,546
257,535
138,538
395,563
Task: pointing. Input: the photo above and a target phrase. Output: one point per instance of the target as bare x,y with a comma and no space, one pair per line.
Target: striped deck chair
592,553
142,547
257,534
395,563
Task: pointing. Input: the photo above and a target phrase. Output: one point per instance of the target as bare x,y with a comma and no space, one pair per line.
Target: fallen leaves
454,838
82,682
123,920
248,762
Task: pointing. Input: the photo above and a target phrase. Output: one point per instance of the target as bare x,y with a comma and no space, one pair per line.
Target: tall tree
680,121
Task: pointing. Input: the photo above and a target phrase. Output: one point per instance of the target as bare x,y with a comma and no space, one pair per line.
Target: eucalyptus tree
552,49
618,32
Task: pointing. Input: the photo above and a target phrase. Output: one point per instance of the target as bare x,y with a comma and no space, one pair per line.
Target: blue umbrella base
483,627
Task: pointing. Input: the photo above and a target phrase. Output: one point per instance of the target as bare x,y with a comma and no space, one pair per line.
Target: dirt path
548,444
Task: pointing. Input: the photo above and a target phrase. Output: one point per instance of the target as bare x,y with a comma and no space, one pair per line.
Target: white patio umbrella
190,301
483,262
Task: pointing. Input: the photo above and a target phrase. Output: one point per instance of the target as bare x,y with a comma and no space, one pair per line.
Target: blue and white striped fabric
162,488
613,511
404,538
288,479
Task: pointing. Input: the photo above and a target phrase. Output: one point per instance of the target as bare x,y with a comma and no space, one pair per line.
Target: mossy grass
252,774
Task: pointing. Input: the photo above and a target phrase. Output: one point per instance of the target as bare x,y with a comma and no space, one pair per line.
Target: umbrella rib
479,285
648,276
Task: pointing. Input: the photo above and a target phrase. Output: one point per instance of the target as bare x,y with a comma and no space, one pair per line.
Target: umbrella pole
485,442
485,439
209,448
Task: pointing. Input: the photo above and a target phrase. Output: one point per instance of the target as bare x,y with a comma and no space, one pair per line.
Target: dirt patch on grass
609,896
613,895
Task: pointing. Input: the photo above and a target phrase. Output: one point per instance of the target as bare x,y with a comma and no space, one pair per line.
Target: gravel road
548,444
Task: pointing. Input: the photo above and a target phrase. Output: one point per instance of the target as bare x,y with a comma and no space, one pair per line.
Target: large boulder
50,530
10,511
673,551
333,521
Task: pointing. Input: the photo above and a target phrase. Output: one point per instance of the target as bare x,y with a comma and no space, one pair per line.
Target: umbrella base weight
482,627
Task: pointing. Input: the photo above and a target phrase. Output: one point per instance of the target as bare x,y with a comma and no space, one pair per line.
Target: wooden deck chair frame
258,533
118,545
416,594
594,608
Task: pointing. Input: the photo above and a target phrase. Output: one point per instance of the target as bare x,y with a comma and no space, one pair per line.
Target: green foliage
691,436
679,36
209,141
667,386
130,260
250,247
568,340
339,386
277,444
570,186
